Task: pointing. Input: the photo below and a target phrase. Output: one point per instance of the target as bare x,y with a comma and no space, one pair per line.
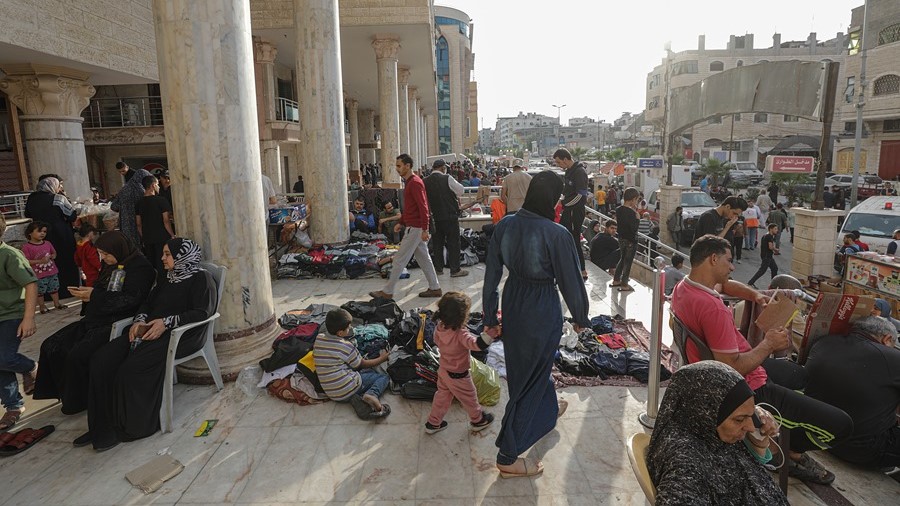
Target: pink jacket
455,346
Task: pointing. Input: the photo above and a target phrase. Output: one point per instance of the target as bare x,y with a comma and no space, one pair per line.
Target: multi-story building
758,133
486,139
880,148
507,127
455,62
472,136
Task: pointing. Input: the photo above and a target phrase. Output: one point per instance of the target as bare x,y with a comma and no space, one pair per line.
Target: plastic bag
487,382
569,336
248,378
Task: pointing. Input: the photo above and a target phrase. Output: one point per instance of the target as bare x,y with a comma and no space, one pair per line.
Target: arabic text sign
790,164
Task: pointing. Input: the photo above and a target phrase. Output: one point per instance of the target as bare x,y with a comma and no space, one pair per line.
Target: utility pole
830,90
667,142
860,103
558,123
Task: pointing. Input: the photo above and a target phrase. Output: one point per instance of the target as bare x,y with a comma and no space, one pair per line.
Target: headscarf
543,194
118,245
884,307
52,186
187,255
685,448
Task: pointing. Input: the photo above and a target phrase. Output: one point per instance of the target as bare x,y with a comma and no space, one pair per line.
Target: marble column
386,52
323,158
423,151
212,144
270,156
403,104
51,99
367,136
434,146
353,117
412,113
264,54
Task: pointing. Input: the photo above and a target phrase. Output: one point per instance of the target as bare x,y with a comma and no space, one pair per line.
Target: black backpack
419,389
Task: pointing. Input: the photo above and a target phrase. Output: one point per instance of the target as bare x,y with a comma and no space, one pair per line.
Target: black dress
126,385
65,356
39,207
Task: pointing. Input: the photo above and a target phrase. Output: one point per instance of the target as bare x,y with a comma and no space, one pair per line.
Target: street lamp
558,124
667,144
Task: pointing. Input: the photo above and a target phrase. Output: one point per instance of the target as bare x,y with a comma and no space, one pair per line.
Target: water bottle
116,280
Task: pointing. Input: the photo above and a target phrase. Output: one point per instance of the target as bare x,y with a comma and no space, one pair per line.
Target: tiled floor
264,451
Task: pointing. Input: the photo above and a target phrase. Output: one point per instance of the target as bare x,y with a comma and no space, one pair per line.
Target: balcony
123,112
287,110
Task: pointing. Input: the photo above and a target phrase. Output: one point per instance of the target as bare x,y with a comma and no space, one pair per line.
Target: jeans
737,247
623,269
767,263
778,239
750,238
373,382
11,363
446,233
573,219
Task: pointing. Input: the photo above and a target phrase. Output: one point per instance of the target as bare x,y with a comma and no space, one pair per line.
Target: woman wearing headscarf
65,356
883,309
539,256
697,454
126,375
125,203
48,204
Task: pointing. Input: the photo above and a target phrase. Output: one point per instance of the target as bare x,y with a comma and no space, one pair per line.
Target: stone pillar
669,199
403,103
353,117
412,113
434,145
386,51
270,156
52,99
367,136
323,157
423,150
815,238
212,144
264,54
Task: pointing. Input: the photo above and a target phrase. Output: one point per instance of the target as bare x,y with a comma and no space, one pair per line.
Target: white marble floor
265,451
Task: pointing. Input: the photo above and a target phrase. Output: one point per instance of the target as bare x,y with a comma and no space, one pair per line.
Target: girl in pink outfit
455,341
40,254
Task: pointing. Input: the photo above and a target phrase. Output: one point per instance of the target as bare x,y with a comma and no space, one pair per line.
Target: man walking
675,224
778,217
767,248
575,194
415,218
443,193
515,186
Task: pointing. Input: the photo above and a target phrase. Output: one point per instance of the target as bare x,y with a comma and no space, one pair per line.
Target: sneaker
460,273
432,293
807,469
439,272
431,429
380,294
486,419
738,261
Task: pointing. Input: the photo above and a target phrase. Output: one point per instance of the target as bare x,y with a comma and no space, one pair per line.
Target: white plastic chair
208,351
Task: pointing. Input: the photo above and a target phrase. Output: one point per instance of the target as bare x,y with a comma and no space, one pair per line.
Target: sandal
626,288
615,284
807,469
6,437
531,468
25,439
563,406
45,311
10,419
28,380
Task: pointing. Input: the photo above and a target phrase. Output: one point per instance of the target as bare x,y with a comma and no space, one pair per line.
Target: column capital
412,92
352,104
403,76
386,47
264,51
48,94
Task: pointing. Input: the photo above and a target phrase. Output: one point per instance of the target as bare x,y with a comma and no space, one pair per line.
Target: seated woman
697,453
66,355
126,377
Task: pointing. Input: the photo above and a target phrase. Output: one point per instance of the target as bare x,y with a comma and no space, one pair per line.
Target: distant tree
641,153
578,153
615,155
677,159
714,170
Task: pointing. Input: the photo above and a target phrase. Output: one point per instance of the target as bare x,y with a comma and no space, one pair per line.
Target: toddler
455,341
86,256
40,255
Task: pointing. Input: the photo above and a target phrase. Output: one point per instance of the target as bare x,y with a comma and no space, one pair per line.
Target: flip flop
529,471
385,411
25,439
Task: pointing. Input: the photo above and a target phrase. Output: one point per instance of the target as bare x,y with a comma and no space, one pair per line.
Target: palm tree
578,153
615,155
714,169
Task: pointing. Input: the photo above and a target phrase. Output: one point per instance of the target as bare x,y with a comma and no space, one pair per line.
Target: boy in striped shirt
344,374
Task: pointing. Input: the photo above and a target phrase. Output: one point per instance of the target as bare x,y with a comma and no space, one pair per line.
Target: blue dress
539,254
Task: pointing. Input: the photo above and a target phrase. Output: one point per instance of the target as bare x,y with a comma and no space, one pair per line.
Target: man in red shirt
416,219
814,425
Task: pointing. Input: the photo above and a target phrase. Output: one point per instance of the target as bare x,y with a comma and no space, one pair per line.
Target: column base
235,351
815,241
669,200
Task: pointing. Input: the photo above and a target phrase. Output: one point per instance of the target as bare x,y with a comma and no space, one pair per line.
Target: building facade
455,63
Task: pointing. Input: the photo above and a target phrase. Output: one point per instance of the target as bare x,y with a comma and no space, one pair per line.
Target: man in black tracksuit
575,195
443,201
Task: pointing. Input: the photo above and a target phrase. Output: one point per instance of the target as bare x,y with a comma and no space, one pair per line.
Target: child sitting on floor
344,374
454,380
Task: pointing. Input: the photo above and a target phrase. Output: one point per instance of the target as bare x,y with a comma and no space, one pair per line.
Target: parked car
744,172
876,223
693,204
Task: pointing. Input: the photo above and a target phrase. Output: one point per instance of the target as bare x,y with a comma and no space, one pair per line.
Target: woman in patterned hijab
696,454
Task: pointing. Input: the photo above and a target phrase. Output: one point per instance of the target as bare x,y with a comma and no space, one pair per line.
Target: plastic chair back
637,454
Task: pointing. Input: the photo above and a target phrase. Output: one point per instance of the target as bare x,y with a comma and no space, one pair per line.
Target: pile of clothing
357,259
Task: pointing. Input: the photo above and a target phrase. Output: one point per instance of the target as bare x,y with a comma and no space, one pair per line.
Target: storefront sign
790,164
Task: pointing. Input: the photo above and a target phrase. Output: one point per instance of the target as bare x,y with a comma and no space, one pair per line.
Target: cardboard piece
778,313
151,476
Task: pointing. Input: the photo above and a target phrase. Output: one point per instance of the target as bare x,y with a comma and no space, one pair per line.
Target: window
715,120
740,63
853,42
442,53
760,117
654,103
891,125
850,126
791,119
889,34
443,20
735,117
685,67
886,85
850,90
716,65
654,82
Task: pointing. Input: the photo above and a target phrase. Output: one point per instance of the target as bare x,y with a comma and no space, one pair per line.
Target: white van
875,222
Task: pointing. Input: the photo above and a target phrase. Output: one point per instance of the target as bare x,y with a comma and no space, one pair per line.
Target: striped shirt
336,358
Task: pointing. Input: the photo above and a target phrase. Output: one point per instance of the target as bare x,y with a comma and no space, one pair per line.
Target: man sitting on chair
697,303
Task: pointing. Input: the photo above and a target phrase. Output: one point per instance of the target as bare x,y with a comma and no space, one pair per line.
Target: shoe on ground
751,285
807,469
563,406
432,429
460,273
486,420
380,294
738,261
28,379
439,272
109,446
432,293
82,440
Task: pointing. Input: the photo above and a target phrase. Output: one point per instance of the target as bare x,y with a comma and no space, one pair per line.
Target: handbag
752,222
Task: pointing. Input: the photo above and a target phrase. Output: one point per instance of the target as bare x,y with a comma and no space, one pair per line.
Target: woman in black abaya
48,204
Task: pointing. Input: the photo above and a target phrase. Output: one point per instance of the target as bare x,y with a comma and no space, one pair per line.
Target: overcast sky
611,45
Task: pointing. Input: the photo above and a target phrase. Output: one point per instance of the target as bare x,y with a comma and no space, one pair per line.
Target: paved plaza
265,451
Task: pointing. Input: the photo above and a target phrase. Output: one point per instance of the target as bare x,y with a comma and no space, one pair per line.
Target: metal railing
287,110
648,248
12,205
123,112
